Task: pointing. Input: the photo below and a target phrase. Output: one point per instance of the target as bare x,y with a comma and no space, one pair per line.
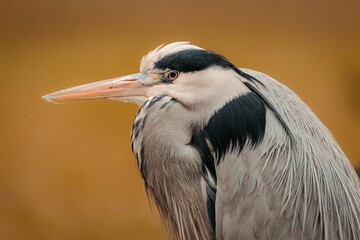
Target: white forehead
148,61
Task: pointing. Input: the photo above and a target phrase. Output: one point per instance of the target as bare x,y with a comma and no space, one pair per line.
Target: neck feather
171,168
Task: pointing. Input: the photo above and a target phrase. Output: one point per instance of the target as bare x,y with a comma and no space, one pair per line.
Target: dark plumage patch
136,128
142,166
247,76
136,124
269,105
137,158
156,99
132,145
141,108
144,122
167,104
240,121
210,204
198,141
192,60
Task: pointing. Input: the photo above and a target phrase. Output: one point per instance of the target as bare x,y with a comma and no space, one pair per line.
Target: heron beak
115,88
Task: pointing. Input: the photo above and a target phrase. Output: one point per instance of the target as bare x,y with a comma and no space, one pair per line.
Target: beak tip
46,97
49,98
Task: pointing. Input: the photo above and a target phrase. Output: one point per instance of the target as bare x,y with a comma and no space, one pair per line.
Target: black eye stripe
192,60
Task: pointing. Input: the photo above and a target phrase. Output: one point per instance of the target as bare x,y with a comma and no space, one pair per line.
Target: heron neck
171,168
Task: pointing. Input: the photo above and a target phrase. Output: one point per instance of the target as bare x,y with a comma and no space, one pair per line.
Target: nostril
111,87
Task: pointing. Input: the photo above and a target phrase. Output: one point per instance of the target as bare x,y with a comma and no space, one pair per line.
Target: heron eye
172,75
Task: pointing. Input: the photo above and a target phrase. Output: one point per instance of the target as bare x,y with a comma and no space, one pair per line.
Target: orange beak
115,88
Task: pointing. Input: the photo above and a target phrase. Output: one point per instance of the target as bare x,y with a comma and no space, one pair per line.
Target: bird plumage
231,153
304,190
277,189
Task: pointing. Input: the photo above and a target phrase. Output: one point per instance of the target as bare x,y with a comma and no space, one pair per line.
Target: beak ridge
115,88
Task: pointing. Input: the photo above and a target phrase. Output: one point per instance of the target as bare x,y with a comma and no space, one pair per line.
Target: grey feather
315,186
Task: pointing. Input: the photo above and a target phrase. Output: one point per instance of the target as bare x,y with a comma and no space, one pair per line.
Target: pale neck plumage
175,182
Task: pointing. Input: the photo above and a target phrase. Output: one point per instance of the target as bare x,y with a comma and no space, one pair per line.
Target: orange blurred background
66,171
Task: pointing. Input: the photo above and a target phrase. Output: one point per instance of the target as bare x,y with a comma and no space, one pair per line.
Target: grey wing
303,188
248,204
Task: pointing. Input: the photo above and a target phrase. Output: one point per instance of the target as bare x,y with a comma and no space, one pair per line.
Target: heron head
181,70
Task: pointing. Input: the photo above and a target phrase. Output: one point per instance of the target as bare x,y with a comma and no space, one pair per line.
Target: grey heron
231,153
